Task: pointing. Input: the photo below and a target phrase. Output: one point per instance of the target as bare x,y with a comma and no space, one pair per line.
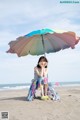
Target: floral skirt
41,81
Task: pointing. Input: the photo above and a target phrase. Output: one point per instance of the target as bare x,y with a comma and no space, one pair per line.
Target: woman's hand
45,64
42,65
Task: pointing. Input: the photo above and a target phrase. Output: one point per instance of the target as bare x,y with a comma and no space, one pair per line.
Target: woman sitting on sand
41,81
41,75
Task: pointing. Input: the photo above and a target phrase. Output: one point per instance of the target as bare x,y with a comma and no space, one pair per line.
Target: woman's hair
44,59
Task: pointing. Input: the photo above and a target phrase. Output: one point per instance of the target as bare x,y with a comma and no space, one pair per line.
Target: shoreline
27,87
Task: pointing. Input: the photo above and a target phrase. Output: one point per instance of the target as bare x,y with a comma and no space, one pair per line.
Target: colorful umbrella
43,41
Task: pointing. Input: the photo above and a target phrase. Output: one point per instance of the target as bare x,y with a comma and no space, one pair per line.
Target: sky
19,17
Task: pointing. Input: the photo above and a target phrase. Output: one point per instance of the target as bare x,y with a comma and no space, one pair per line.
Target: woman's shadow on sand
23,98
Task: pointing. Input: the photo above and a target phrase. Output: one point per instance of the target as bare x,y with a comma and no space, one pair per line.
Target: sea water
15,86
26,86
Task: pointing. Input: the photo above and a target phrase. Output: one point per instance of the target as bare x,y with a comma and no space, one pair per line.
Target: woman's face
43,63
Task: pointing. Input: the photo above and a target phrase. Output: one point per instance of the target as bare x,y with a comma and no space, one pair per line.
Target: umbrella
43,41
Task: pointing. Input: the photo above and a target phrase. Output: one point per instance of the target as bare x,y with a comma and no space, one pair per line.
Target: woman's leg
40,85
45,82
42,90
45,89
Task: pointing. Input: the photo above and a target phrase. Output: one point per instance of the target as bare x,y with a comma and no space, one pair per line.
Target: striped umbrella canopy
43,41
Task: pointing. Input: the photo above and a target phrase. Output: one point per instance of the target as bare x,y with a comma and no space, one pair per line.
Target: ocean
27,85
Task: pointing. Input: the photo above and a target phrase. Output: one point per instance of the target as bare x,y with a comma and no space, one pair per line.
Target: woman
41,75
41,81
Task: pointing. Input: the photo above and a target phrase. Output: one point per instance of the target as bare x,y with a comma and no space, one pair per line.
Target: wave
12,87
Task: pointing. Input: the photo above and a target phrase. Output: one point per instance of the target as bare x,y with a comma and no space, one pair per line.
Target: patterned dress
36,83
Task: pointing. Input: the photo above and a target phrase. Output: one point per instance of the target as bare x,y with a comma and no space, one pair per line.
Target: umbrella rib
51,43
61,40
65,41
15,42
23,47
25,44
32,46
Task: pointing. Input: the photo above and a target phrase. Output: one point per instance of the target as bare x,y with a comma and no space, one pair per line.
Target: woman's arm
45,72
39,73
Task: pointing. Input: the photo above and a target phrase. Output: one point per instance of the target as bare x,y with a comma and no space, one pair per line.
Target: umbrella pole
43,46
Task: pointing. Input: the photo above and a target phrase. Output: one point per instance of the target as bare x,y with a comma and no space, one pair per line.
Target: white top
36,76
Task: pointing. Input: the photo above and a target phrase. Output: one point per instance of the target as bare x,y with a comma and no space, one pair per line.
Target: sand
68,108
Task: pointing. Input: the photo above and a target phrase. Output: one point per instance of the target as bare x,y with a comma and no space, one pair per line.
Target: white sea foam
14,88
71,85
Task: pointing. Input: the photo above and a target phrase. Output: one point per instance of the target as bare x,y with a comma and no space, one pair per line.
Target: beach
67,108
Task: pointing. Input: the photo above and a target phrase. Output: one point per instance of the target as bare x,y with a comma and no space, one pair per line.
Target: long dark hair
44,59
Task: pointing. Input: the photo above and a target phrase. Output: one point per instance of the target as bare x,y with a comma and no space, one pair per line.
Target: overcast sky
19,17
